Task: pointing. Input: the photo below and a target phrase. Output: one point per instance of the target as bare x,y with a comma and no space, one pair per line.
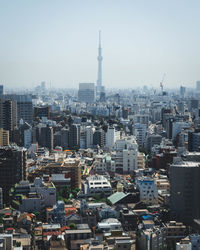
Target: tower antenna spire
99,58
99,38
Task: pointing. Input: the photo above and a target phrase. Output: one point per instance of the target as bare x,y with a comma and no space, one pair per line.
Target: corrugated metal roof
114,198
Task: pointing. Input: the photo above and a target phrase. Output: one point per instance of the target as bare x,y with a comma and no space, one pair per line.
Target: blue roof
147,217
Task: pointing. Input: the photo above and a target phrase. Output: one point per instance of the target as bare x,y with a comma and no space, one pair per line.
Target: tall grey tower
99,58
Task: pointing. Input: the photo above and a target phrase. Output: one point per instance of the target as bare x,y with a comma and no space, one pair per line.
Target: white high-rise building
89,136
111,136
86,137
140,133
126,155
27,137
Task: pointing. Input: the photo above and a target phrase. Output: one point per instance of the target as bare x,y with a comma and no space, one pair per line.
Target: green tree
72,226
18,244
75,192
1,219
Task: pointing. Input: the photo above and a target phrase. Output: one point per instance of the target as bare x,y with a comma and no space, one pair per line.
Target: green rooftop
114,198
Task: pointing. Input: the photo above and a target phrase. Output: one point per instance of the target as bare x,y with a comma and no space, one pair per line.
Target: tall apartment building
22,135
111,136
24,107
1,89
193,104
12,168
74,136
89,136
86,137
8,115
185,189
46,137
182,91
141,118
140,133
64,138
99,138
86,92
151,140
194,141
42,112
126,155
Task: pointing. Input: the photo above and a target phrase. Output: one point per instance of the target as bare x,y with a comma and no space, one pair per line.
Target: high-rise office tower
182,91
99,138
64,138
86,137
1,90
8,115
22,135
24,107
86,92
12,168
198,85
74,136
43,86
46,138
185,189
194,141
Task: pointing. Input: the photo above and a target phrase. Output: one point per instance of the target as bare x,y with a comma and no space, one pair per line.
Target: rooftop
114,198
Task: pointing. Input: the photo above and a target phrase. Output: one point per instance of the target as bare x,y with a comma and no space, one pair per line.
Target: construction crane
161,83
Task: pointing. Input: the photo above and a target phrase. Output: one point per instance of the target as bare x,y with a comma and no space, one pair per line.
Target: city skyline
57,43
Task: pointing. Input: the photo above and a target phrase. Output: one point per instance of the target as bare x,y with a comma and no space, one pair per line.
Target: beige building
163,184
175,230
141,160
4,137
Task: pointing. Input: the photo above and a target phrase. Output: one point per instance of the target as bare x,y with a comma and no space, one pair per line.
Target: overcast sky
56,41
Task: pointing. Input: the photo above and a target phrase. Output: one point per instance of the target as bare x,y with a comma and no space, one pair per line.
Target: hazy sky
56,41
